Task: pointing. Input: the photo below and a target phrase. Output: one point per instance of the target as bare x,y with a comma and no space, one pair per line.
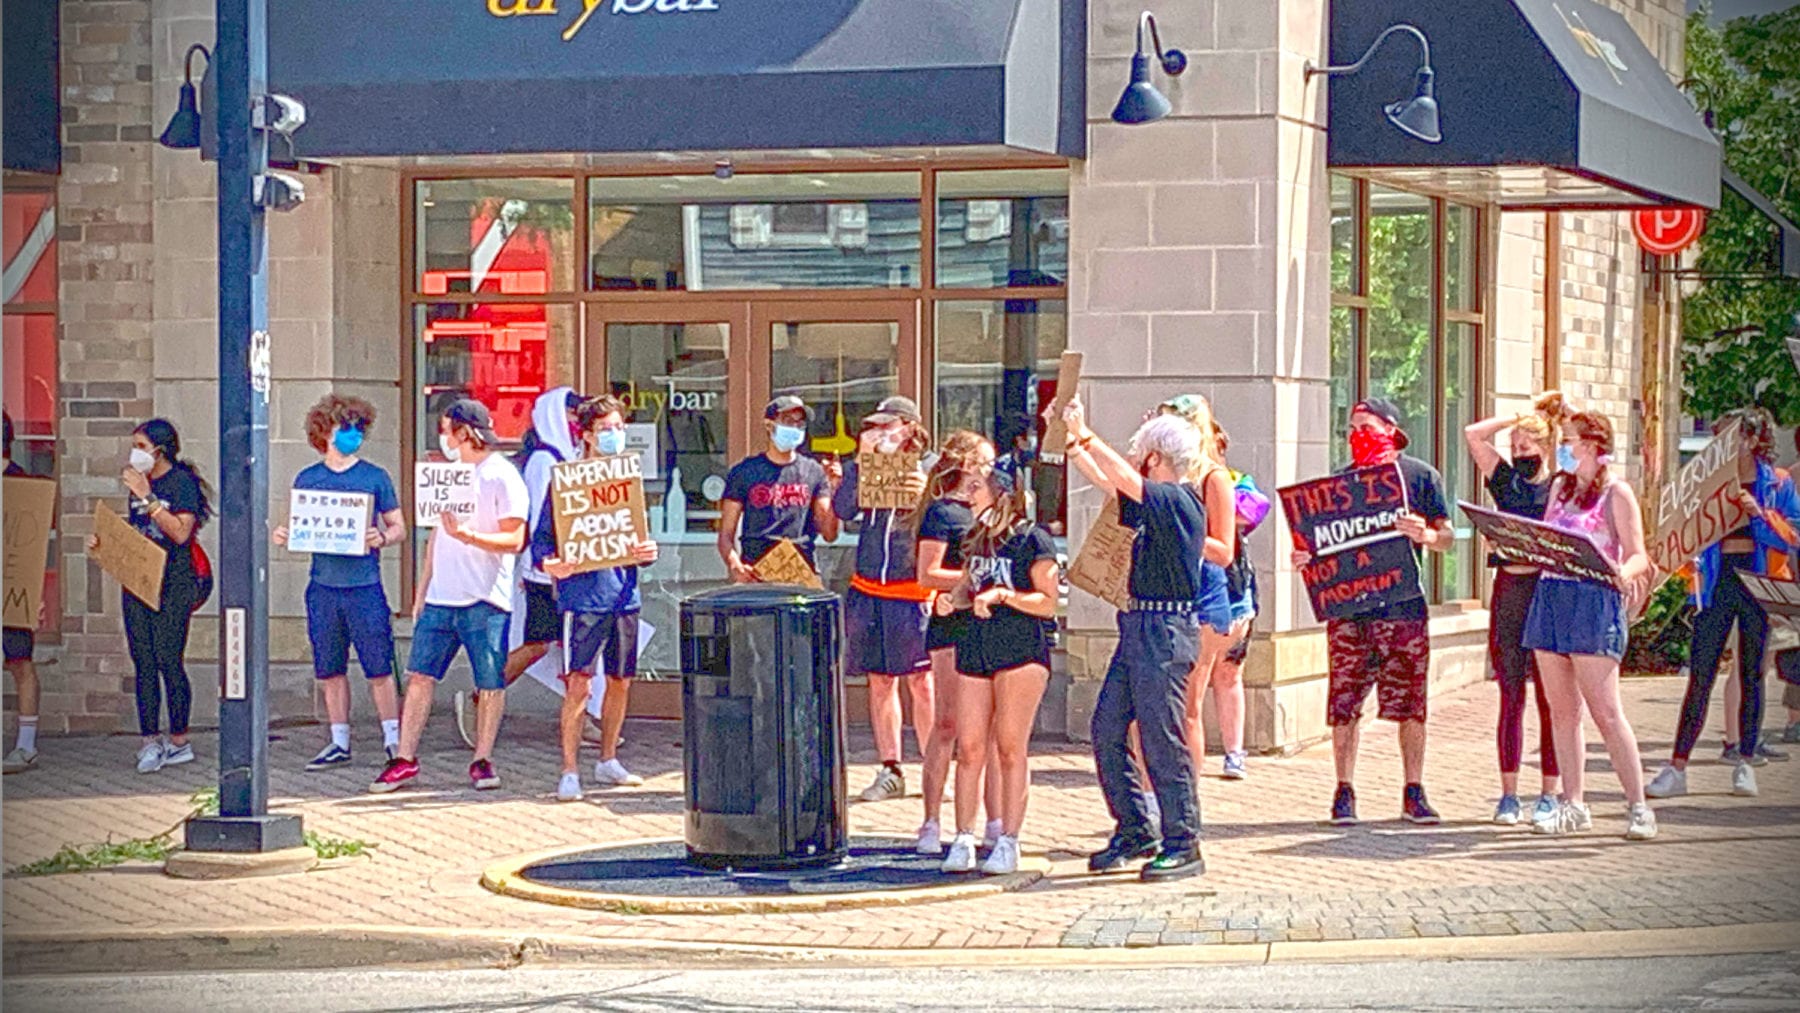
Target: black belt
1153,605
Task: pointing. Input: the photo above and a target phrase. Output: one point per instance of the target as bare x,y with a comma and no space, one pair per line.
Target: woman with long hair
1249,507
1761,547
169,504
941,523
1578,628
1521,487
1010,584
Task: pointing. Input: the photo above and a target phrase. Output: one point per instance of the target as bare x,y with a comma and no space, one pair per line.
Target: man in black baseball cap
472,415
777,495
1382,410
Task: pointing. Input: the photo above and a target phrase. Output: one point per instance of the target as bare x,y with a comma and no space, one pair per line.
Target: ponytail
162,435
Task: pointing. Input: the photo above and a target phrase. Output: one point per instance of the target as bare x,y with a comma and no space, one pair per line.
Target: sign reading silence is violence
1349,524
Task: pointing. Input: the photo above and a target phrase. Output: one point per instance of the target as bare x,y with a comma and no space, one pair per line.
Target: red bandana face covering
1368,447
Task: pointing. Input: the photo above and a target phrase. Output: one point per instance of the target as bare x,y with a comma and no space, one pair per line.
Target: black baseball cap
473,414
787,403
898,408
1384,410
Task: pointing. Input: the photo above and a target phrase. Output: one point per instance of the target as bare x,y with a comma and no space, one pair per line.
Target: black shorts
1007,640
945,631
1241,650
20,643
601,643
543,624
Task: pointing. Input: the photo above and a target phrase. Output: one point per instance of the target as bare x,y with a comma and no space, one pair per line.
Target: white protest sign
440,486
329,523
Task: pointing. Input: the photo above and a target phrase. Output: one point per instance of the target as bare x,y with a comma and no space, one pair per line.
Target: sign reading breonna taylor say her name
1533,543
329,523
1361,562
599,504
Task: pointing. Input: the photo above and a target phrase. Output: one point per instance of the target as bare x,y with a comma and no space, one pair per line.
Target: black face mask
1528,465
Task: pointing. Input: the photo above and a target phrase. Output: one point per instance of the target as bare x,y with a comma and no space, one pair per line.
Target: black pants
1730,604
158,642
1147,683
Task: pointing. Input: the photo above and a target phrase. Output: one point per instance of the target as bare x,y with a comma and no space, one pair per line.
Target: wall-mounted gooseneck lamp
1417,116
1141,102
183,131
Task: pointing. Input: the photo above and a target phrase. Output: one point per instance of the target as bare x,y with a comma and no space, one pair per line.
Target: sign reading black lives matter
1533,543
599,511
1361,562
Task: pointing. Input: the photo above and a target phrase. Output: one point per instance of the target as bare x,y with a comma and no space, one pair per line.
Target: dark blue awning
456,78
33,109
1543,104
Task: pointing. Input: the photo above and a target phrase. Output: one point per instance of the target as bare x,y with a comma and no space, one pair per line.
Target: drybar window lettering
584,10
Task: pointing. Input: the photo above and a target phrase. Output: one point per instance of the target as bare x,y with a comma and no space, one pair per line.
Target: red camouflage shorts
1391,655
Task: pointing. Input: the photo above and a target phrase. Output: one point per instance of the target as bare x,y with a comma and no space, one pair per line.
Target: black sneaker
1343,807
1173,865
1415,809
1120,850
333,755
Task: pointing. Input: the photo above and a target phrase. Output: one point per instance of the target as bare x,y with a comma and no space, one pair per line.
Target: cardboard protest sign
1779,598
1056,436
30,510
329,523
599,504
784,564
881,480
128,557
1360,560
1699,506
1534,543
440,486
1103,566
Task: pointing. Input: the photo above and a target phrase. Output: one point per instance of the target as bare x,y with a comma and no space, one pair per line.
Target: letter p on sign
1665,231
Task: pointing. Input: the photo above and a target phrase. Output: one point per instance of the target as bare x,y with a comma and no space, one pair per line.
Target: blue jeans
1147,683
479,629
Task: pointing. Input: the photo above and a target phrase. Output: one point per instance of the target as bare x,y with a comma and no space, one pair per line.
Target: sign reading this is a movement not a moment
1361,561
599,504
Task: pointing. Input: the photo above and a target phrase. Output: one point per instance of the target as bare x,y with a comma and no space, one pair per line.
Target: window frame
50,631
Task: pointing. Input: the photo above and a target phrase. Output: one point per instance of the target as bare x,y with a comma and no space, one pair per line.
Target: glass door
840,357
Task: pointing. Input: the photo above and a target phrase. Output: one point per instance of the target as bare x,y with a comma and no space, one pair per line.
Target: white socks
390,732
340,736
28,734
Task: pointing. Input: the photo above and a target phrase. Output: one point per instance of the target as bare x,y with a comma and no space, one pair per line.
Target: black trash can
763,727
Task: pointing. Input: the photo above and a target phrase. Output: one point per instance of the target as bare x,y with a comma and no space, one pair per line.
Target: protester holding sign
1578,627
1388,647
346,604
777,495
886,611
1521,487
599,619
21,645
169,503
1762,548
464,597
1159,641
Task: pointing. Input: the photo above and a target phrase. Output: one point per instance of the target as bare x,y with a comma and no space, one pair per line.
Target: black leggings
1514,666
1712,625
158,642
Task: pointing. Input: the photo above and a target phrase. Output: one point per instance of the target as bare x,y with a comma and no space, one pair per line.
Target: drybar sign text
524,8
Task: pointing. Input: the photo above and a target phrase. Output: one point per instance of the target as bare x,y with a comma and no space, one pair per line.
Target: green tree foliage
1734,348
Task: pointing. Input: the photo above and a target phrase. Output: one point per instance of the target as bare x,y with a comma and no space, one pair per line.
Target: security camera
278,191
278,113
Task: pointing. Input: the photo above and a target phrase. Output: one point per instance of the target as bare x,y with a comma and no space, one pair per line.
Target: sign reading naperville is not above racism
599,505
1360,561
1699,506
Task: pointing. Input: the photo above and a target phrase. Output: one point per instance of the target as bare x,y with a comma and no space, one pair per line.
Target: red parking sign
1663,231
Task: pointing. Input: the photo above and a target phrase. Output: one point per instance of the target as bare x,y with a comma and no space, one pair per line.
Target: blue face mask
610,442
347,441
788,438
1565,458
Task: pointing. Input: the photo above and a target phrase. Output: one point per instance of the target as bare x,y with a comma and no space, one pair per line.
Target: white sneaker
991,836
1004,859
1643,823
19,760
465,717
175,755
962,854
1547,820
1668,783
931,840
569,788
1576,818
612,774
150,758
1743,780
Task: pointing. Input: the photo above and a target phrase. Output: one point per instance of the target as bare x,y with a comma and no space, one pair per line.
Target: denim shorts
338,618
20,643
479,629
1576,617
1213,603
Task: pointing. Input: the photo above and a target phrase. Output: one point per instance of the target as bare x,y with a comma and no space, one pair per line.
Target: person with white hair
1159,641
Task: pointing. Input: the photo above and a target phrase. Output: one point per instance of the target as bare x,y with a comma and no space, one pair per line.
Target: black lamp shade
1418,116
1141,102
183,131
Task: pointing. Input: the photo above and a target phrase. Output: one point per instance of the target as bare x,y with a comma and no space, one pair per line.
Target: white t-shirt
463,574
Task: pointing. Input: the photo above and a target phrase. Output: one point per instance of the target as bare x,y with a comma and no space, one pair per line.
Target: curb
346,946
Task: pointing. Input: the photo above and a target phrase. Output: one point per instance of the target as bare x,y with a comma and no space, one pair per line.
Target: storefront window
29,329
672,379
842,370
996,366
495,236
1403,331
501,354
1002,228
787,231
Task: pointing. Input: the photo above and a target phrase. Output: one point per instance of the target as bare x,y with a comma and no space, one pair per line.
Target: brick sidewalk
1280,873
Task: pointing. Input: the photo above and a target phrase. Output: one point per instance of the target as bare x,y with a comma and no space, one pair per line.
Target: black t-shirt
777,501
1171,528
1010,565
181,491
1515,493
947,521
1425,497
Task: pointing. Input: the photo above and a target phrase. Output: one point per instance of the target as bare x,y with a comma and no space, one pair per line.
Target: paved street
1279,873
1715,983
